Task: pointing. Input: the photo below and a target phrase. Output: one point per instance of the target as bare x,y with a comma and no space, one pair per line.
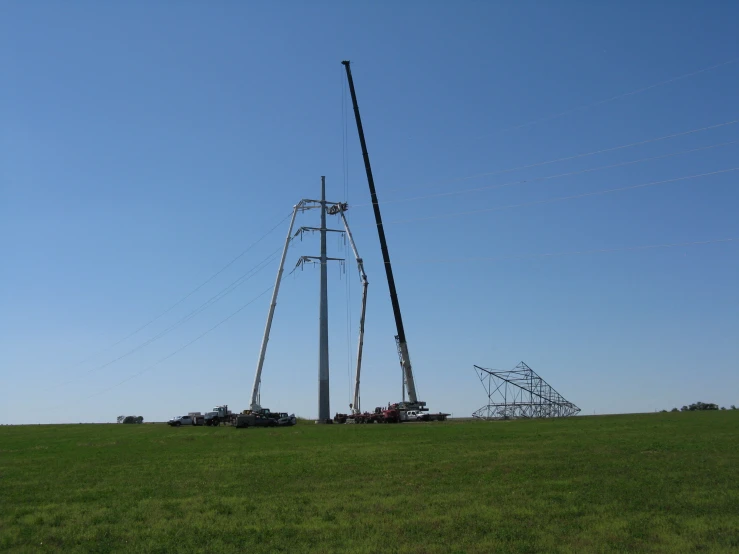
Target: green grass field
633,483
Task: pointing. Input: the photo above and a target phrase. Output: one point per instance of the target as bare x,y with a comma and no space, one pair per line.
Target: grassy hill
635,483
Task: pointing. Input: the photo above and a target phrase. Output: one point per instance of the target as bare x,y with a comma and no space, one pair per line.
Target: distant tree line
699,407
130,419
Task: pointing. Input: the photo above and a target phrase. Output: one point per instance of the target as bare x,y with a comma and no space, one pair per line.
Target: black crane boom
402,345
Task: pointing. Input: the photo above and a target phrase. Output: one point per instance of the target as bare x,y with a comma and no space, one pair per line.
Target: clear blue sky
144,145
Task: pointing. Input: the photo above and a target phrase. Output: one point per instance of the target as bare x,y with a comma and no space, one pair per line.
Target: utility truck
220,415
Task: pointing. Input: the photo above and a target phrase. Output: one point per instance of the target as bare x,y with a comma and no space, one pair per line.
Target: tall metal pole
254,406
324,407
403,346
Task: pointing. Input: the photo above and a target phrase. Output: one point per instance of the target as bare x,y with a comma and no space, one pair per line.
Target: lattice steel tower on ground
520,393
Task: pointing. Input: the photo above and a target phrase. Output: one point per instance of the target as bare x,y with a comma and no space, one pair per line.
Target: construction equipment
409,383
285,420
220,415
255,397
391,414
280,419
255,420
340,209
327,208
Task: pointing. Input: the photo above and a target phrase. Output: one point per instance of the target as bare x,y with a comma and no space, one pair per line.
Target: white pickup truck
182,420
413,415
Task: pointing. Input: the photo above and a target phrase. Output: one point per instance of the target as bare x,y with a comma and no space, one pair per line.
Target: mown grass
636,483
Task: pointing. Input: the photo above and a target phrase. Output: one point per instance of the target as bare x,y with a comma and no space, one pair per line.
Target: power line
567,158
181,300
562,198
212,300
612,98
416,262
572,253
548,177
181,348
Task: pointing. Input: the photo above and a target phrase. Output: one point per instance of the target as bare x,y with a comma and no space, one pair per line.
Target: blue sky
145,145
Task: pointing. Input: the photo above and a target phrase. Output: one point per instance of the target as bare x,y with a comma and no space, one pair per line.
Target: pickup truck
182,420
413,415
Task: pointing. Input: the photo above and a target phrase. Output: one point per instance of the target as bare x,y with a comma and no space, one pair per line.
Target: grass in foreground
636,483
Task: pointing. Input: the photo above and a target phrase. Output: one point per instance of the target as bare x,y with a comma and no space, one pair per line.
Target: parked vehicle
391,414
266,412
255,420
417,415
394,413
285,420
182,420
281,418
413,415
220,415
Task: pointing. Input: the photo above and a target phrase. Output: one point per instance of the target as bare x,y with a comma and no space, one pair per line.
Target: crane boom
355,407
402,344
254,404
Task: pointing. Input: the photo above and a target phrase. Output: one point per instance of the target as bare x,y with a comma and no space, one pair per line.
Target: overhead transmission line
180,349
181,300
212,300
416,262
565,158
612,98
345,169
548,177
570,253
562,198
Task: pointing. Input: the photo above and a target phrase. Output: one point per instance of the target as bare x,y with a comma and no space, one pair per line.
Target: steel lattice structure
520,393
